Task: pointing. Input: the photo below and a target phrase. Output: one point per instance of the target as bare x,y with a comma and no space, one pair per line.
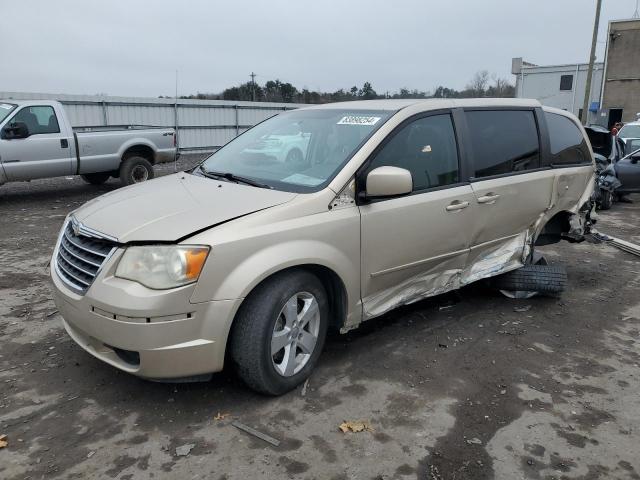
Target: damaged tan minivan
253,255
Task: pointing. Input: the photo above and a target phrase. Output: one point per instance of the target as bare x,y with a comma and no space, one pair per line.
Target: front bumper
152,334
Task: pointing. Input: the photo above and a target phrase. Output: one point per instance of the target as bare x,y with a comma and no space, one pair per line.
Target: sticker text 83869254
358,120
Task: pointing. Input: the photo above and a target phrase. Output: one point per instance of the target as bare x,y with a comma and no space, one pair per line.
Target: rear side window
503,141
39,119
567,143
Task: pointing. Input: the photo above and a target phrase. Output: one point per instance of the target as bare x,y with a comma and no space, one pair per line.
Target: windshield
5,109
297,151
630,131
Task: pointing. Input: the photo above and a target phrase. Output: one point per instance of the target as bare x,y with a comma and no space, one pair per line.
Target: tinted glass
39,119
567,143
503,141
297,151
628,131
427,148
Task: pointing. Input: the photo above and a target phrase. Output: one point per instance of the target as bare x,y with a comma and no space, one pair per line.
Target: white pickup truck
38,141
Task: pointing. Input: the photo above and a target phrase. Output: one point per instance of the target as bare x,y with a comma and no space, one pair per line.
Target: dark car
625,157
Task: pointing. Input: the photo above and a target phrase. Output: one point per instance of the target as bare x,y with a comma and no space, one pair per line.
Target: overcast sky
133,47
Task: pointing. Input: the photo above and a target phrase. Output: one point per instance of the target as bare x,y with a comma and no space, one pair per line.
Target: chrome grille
80,258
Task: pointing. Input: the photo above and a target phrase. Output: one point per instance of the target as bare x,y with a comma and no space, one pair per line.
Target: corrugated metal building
202,124
621,92
560,86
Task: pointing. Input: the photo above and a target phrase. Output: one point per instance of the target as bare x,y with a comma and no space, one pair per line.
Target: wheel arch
556,228
141,149
331,281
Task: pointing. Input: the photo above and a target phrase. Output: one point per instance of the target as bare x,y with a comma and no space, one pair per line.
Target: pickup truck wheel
135,170
295,157
279,332
96,178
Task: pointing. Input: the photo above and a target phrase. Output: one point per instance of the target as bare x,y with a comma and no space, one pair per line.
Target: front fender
239,282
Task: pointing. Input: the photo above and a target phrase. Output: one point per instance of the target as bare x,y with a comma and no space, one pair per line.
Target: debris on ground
355,426
221,416
51,314
474,441
525,308
184,450
3,441
91,454
304,387
256,433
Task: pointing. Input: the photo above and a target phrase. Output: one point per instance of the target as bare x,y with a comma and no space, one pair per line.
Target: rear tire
135,170
275,348
96,178
543,279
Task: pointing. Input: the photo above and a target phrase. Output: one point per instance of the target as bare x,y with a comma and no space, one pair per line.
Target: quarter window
39,119
503,141
427,148
566,141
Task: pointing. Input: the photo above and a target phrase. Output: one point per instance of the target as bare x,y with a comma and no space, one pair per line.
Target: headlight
162,266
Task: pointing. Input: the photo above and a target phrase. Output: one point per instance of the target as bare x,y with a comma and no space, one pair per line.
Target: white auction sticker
358,120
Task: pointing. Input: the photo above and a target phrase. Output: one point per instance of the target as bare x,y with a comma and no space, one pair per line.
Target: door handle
488,198
456,206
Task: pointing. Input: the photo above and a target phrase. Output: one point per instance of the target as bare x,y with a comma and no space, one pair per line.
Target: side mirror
15,130
389,181
635,156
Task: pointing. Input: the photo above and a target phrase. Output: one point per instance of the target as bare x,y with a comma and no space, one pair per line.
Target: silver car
253,260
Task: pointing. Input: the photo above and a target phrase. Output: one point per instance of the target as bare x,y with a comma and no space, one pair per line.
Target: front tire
96,178
135,170
606,199
279,332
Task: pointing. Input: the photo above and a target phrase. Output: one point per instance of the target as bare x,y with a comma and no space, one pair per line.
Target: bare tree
478,85
500,88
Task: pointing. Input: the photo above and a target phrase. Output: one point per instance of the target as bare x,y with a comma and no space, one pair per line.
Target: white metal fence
201,124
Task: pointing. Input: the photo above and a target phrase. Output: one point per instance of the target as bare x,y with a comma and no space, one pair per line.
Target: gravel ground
469,385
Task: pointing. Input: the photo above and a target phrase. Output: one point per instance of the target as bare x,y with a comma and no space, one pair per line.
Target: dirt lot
466,386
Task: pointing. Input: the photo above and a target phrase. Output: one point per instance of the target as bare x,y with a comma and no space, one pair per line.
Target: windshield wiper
233,178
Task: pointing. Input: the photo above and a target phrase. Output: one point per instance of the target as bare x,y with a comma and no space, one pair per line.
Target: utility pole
253,86
592,59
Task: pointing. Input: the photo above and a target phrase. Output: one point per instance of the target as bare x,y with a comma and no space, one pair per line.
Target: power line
636,14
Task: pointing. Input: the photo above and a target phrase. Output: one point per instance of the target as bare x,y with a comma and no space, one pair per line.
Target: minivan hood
172,207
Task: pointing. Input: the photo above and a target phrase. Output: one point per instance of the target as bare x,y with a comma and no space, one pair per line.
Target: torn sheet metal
502,257
440,278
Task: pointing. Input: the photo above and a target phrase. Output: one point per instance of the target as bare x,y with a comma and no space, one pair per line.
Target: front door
628,172
415,246
44,153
